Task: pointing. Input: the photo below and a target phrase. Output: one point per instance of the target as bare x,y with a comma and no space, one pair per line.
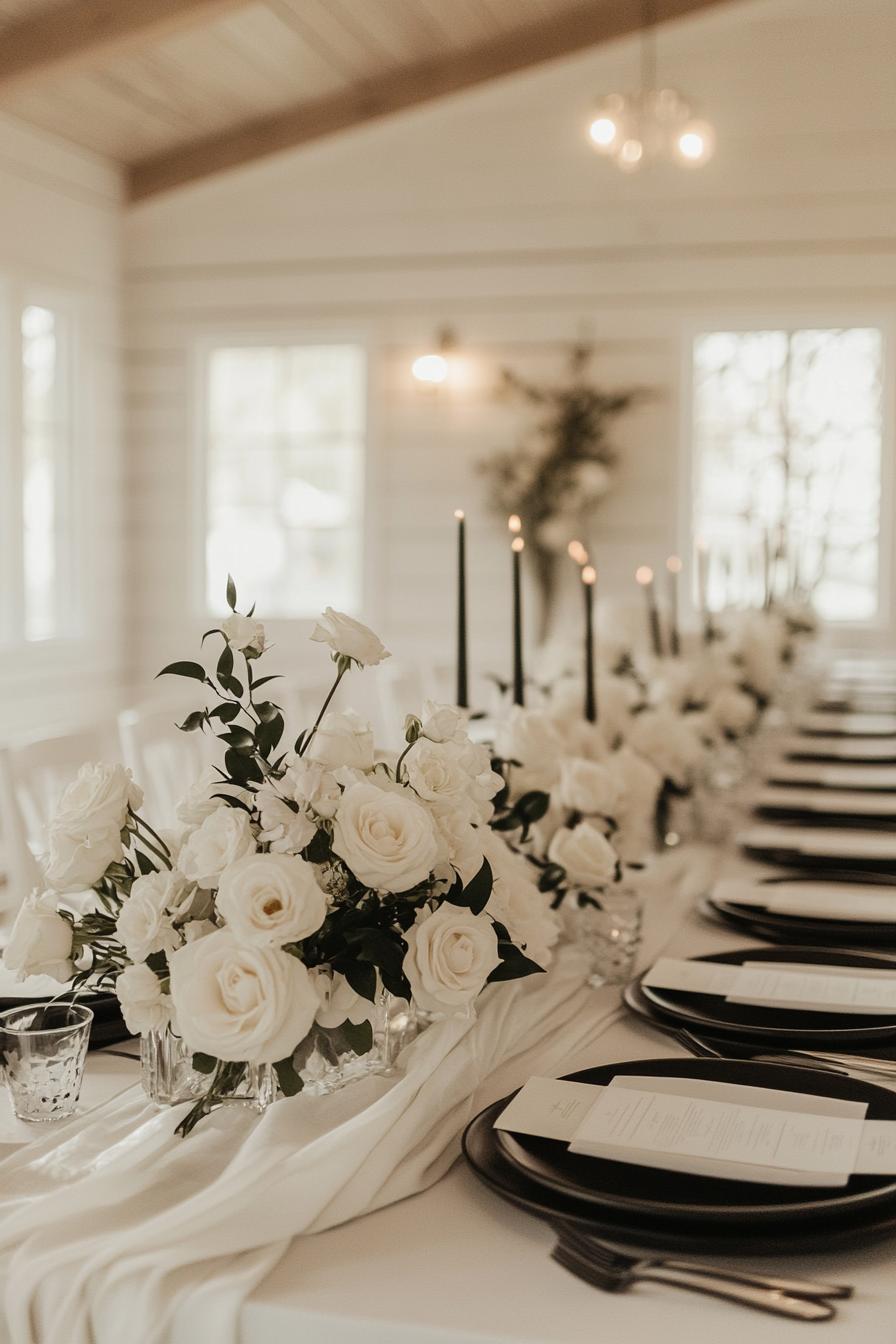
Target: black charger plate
649,1192
499,1175
807,929
778,1026
782,855
108,1026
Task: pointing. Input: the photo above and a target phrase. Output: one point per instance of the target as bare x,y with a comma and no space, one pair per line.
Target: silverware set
612,1270
852,1066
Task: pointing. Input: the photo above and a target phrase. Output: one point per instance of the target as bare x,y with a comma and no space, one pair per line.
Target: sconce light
434,367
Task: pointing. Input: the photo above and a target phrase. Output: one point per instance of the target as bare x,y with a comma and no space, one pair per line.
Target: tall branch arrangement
558,475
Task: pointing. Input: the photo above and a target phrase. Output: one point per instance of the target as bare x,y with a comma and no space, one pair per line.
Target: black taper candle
673,565
589,577
519,696
644,576
462,689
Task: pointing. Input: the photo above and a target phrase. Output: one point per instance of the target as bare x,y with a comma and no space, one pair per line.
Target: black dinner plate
817,816
108,1026
811,929
649,1192
783,1026
851,752
506,1181
783,855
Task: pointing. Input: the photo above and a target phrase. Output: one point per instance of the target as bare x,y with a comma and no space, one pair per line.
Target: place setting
853,910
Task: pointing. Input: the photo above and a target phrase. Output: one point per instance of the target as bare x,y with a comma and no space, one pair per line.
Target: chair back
163,760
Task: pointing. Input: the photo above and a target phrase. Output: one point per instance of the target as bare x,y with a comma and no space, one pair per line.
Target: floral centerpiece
304,885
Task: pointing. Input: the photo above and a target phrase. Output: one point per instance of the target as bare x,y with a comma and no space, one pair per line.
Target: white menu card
824,842
805,987
850,901
856,776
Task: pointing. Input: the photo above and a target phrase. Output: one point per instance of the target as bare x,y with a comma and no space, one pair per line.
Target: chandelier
634,129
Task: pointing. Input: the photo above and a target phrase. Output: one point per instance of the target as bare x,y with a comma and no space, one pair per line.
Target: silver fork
614,1279
587,1246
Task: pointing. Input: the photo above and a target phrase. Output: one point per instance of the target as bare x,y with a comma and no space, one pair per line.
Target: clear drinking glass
43,1047
608,925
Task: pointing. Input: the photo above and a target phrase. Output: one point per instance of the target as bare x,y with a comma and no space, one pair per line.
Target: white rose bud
348,638
271,899
244,633
343,738
223,837
237,1001
451,953
144,923
41,940
386,838
443,723
586,854
143,1005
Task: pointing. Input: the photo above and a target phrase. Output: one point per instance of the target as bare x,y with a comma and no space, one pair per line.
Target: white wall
489,212
60,228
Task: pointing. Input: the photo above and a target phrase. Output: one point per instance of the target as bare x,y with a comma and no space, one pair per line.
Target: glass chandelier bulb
695,142
430,369
631,153
604,132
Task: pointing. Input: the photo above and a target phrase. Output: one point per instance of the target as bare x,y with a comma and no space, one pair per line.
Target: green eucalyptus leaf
225,662
197,719
195,671
231,593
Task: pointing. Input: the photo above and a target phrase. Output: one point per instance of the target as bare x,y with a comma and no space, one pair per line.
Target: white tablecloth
455,1265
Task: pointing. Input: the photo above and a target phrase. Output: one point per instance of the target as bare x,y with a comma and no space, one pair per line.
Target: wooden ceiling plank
408,86
79,32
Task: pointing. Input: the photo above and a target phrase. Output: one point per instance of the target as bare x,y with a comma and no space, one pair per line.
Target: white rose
287,829
237,1001
84,835
587,787
733,711
198,928
674,685
309,783
517,903
41,940
338,1001
98,797
343,739
586,854
531,737
386,838
200,802
223,837
144,923
271,899
666,740
143,1005
639,785
76,860
435,773
443,723
244,633
349,638
462,842
451,953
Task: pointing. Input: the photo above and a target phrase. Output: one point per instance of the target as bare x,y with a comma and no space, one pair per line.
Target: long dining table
457,1265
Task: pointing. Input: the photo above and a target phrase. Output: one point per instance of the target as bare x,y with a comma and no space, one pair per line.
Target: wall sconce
434,367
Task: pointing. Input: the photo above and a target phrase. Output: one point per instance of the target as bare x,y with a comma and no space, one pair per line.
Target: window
284,475
787,441
40,568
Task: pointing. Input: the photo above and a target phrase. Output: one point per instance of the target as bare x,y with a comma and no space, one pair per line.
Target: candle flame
589,574
517,544
673,564
459,515
643,575
577,552
514,522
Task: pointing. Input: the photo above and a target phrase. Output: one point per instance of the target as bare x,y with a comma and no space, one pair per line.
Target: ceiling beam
78,32
587,25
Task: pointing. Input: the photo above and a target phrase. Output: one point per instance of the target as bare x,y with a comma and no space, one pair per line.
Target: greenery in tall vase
557,476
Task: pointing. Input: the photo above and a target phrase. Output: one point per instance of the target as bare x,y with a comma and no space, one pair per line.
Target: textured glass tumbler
611,934
43,1047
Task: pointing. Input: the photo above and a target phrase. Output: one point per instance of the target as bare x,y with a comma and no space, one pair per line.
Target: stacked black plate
814,930
821,848
646,1207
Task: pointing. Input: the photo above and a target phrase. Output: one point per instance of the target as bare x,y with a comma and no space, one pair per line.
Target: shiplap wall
489,212
60,228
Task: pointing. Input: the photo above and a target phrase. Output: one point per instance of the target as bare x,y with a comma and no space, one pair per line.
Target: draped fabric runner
115,1220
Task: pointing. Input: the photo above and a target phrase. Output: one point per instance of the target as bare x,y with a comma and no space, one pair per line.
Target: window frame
16,294
795,319
227,336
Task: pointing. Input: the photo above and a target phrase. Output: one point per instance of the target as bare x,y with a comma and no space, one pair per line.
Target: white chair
33,776
163,760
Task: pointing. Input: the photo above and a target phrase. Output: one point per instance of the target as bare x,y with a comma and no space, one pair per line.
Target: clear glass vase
331,1057
168,1076
607,924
